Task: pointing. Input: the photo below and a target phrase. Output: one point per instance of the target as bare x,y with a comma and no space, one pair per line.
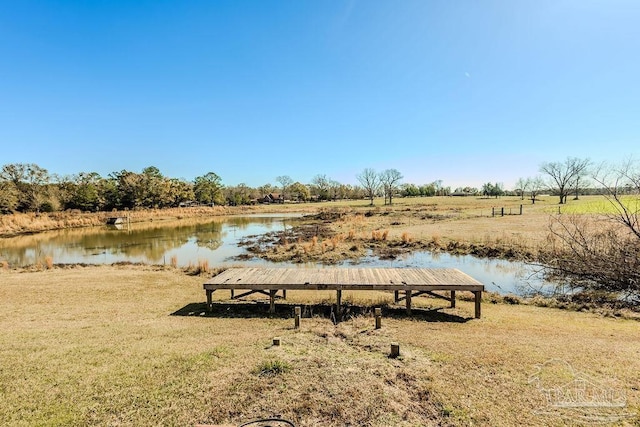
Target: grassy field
129,345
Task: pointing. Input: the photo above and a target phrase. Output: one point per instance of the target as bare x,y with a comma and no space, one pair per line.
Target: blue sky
463,91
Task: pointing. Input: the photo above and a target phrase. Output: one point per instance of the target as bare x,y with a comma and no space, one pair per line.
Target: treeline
31,188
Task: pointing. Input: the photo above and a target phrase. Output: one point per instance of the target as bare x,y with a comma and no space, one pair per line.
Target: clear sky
463,91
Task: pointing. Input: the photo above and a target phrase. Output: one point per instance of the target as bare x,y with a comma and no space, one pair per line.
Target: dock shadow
286,311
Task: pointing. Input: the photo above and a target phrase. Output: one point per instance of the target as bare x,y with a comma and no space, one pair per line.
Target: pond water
216,241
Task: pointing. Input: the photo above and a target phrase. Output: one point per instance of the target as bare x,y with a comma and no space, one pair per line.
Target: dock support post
233,294
209,300
396,296
478,299
453,299
408,297
272,300
284,294
338,305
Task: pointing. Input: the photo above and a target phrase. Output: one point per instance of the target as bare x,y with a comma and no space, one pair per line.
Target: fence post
378,314
493,211
502,211
520,209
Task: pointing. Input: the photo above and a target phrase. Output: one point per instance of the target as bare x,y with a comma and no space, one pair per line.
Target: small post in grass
395,350
276,341
378,313
298,314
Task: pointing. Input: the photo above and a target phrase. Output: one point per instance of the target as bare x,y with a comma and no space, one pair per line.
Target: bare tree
390,179
522,185
593,255
564,175
536,185
322,184
370,183
621,186
601,252
285,181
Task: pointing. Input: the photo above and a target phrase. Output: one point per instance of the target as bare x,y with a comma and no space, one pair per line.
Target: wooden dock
410,282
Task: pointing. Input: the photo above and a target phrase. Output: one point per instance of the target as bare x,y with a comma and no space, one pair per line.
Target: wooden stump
395,350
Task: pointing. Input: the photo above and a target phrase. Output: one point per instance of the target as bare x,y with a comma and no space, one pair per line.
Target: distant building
273,198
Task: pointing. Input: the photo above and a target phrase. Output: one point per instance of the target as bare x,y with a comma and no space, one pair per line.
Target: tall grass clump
406,237
379,234
203,266
48,262
174,261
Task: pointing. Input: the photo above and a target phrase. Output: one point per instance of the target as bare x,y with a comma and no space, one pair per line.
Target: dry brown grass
104,349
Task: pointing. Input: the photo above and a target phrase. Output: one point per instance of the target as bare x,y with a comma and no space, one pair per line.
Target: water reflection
497,275
216,241
187,241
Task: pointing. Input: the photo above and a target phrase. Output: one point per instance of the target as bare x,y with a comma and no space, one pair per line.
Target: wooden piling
298,314
272,300
453,299
478,300
378,314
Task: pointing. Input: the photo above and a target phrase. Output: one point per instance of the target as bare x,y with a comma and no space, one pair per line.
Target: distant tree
390,180
492,190
180,191
336,190
85,192
238,195
299,192
410,190
31,181
285,181
321,185
208,189
564,175
536,185
266,189
8,197
128,190
522,185
357,192
370,181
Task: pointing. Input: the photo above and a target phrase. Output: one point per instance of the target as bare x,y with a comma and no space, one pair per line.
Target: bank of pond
218,242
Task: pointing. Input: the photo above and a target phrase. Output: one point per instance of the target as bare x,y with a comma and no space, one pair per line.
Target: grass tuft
271,368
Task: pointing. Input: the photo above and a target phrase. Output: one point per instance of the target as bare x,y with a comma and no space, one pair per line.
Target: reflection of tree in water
146,242
149,242
209,236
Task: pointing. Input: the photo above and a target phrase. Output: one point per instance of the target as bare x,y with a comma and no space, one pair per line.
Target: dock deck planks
408,280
